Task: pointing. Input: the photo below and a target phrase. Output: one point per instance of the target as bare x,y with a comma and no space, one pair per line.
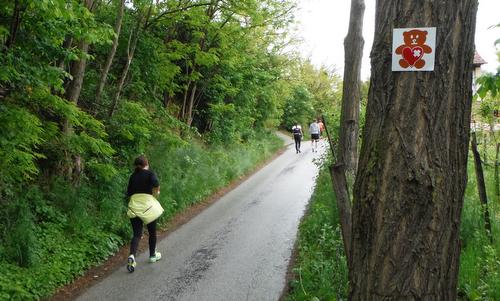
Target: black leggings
297,142
137,229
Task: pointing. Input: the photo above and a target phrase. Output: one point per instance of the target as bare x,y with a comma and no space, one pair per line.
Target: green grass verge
62,231
321,269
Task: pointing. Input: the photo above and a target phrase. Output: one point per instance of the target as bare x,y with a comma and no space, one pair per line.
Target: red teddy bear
413,49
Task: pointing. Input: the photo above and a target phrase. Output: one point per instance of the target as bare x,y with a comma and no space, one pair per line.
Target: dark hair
141,162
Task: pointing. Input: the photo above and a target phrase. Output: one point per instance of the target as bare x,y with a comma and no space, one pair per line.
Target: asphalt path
237,249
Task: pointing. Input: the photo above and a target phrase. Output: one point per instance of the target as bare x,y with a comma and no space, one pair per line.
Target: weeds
321,269
57,234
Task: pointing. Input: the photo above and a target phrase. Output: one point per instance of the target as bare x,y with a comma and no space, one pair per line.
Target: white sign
413,49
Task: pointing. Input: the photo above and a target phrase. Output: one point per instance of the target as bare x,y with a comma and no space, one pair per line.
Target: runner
315,131
321,128
297,136
143,208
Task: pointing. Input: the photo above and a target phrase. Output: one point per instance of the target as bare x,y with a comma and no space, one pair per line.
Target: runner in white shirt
314,129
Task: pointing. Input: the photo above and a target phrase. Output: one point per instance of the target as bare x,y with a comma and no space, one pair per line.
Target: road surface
237,249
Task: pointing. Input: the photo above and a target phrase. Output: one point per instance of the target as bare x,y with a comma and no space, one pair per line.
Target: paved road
237,249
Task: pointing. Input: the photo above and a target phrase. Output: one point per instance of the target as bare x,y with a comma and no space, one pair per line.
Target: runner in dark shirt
142,181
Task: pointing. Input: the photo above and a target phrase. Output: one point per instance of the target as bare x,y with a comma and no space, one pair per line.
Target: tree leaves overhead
190,58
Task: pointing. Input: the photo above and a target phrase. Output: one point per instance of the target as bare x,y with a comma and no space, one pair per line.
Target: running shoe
155,258
131,263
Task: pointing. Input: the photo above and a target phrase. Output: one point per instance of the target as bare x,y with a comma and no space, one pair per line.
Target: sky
323,26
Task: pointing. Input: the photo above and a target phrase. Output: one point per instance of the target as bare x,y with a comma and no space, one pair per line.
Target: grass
479,276
321,267
321,271
65,230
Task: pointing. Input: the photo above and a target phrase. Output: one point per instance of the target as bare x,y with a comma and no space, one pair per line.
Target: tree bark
349,116
339,182
412,173
14,24
191,104
132,44
112,52
497,177
347,151
77,71
481,186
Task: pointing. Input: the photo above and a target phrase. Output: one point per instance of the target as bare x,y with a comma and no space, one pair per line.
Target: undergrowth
56,233
321,269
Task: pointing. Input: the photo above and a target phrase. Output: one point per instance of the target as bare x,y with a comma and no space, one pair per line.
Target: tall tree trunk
132,44
77,71
481,186
66,45
497,176
191,104
412,173
347,151
349,116
112,52
14,24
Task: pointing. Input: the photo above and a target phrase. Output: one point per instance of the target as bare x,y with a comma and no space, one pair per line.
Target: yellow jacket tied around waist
145,207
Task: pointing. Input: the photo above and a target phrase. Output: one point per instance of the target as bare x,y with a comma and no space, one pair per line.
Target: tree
412,172
112,51
347,152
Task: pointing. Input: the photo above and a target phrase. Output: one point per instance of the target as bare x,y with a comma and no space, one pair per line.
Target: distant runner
321,127
314,129
297,136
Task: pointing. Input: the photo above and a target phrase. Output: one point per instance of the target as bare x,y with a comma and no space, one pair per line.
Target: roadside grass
479,276
321,271
65,231
321,268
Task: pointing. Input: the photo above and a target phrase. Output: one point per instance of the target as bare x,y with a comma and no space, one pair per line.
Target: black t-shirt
142,181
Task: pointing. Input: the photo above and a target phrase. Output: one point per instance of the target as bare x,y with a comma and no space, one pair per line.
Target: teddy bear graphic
413,49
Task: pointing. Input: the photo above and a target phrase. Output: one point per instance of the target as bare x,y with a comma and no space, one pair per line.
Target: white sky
323,25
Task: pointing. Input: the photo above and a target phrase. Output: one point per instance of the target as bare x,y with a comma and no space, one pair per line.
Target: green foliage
298,108
321,271
20,241
130,129
479,277
21,134
56,234
197,74
489,83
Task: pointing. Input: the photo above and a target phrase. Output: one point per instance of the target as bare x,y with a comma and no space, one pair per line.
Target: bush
54,234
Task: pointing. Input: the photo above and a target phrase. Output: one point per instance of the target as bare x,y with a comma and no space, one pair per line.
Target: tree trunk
14,25
132,44
191,105
77,71
66,45
412,173
339,182
349,116
497,177
481,186
347,151
112,52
